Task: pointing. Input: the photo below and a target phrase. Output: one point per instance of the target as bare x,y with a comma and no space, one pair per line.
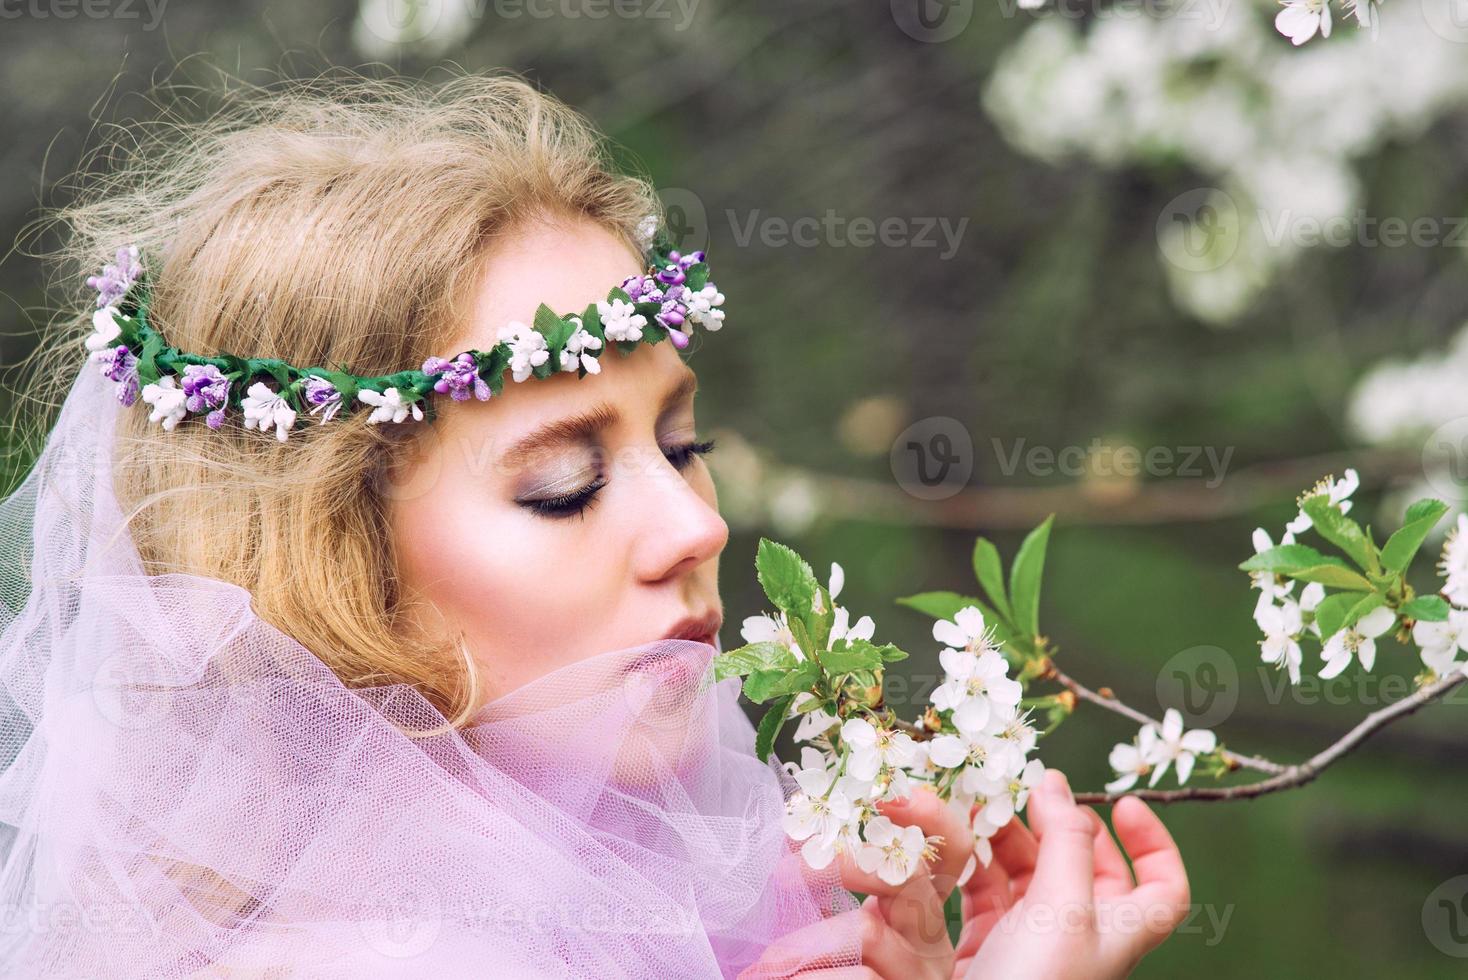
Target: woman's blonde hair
338,221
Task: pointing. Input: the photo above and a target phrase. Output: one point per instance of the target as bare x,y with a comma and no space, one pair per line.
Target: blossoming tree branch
973,743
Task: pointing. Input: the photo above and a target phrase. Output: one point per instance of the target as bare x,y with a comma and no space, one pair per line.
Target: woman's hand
902,930
1059,903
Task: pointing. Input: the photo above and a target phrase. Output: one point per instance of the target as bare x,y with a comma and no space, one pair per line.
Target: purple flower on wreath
116,279
206,389
322,396
642,289
459,377
120,365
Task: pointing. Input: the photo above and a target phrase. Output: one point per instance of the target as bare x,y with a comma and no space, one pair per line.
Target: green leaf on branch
1331,613
1402,546
1336,576
1364,604
787,578
769,728
990,572
1340,530
1286,559
857,655
1427,608
754,656
1024,579
762,685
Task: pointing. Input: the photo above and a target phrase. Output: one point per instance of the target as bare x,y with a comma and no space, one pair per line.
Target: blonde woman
357,612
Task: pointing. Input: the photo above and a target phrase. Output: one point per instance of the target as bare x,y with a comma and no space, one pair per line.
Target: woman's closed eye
575,503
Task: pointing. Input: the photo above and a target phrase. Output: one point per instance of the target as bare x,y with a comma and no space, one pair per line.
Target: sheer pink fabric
188,792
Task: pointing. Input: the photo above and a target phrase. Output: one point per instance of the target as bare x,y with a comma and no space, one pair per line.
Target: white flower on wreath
703,307
1357,641
167,399
388,406
264,408
620,320
1339,492
528,349
105,330
578,348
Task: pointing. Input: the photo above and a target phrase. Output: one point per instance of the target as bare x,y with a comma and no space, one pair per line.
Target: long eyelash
681,456
566,505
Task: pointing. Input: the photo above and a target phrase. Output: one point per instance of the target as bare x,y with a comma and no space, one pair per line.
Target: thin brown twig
1301,773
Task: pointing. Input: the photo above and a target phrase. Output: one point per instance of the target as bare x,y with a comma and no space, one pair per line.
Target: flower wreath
668,300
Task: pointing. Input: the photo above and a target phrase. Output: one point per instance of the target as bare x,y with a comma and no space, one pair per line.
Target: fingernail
1062,786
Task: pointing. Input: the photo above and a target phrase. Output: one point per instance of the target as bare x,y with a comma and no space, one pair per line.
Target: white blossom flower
819,813
970,751
771,629
578,347
528,349
892,851
1270,585
1454,563
1339,492
167,399
105,330
620,320
1132,760
1310,599
874,749
1174,746
388,406
974,683
966,631
1440,642
812,723
264,408
1012,794
1358,641
1281,626
1300,19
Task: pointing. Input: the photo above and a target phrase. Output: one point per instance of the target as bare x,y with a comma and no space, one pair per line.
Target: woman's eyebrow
583,425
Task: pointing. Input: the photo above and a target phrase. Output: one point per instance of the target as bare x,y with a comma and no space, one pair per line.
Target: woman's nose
682,528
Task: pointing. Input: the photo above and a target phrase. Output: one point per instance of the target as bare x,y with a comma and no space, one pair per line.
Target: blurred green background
983,231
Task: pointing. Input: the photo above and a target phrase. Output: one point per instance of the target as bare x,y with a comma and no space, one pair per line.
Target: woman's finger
1066,835
1015,850
1113,877
1159,902
915,914
1161,876
936,818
